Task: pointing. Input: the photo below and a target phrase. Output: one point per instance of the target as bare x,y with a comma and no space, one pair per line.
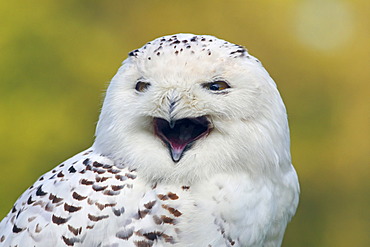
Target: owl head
187,106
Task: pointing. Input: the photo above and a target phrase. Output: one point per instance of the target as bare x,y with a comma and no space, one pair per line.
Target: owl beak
179,135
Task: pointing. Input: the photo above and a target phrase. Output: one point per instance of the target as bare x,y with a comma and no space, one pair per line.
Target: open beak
180,134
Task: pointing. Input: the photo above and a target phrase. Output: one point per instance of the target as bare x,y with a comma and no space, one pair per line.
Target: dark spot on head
175,42
160,47
134,53
242,51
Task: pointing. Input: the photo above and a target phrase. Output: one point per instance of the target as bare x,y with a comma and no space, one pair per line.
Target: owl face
187,106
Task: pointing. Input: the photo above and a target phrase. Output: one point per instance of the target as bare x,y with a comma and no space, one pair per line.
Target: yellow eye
142,86
216,85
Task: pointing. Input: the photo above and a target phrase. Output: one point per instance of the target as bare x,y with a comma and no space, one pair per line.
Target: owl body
192,149
109,204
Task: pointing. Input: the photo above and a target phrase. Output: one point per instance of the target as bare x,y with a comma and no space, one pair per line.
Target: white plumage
192,149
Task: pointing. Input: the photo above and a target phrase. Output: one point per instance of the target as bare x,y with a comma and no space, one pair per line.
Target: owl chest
215,213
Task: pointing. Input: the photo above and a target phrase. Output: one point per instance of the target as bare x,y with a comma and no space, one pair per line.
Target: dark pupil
214,87
140,86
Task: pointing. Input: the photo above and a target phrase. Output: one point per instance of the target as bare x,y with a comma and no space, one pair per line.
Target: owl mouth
180,134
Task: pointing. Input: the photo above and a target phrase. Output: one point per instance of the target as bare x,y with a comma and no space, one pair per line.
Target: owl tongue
180,134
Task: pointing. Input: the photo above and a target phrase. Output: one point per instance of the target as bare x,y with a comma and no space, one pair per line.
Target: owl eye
216,85
142,86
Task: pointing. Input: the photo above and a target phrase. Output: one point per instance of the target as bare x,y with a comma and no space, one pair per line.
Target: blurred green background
58,56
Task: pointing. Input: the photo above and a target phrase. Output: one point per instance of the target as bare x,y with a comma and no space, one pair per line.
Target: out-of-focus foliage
57,57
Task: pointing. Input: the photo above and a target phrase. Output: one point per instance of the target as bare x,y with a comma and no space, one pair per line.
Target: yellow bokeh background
57,58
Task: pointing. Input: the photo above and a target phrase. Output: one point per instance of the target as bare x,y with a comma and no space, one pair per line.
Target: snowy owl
192,148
